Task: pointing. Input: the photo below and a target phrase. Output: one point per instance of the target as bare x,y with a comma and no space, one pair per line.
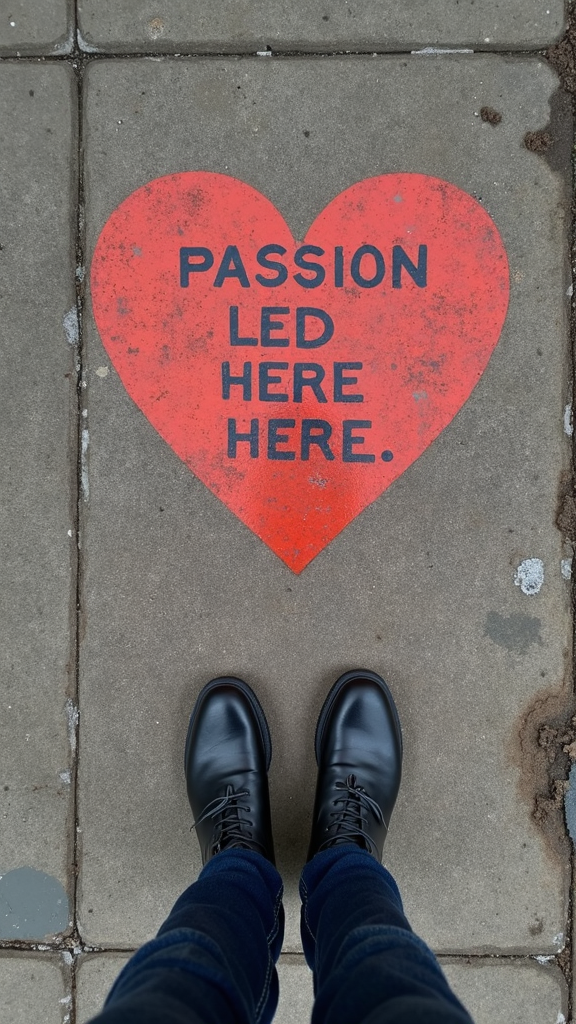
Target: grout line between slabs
78,54
568,964
32,947
565,959
79,275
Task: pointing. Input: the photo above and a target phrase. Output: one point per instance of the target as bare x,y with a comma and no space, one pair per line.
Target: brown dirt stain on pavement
543,746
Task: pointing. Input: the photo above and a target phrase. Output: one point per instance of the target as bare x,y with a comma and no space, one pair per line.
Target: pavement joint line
565,959
79,949
85,55
80,497
567,964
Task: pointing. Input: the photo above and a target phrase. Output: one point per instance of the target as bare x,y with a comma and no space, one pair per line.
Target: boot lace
230,830
352,821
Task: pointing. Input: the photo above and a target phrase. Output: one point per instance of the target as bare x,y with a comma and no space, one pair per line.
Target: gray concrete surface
176,590
97,972
40,28
37,467
454,583
34,989
494,992
240,26
510,993
95,976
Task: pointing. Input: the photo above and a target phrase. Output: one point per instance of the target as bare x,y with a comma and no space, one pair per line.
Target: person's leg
212,961
369,967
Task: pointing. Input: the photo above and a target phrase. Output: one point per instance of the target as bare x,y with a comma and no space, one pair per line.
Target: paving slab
510,993
240,26
33,989
296,991
45,28
37,467
493,992
95,975
431,585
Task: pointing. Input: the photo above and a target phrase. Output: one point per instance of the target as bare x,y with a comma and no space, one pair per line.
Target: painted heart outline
298,380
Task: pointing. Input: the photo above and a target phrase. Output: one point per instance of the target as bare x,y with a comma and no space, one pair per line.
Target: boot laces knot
351,821
230,829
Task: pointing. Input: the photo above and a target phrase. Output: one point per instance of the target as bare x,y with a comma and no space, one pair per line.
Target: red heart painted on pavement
298,380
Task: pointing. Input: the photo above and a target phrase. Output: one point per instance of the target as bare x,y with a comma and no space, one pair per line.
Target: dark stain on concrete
33,905
491,116
554,140
538,142
540,747
566,513
513,632
562,55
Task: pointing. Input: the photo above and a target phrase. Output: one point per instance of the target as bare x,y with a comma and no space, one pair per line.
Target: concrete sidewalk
128,583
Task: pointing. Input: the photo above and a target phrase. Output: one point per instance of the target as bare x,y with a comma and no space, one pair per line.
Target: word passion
366,267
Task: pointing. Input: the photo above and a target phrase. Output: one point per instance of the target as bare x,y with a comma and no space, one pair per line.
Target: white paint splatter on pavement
65,46
434,51
529,576
85,46
72,715
70,325
568,420
84,464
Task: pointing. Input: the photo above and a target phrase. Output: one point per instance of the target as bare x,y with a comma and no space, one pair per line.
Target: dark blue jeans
212,961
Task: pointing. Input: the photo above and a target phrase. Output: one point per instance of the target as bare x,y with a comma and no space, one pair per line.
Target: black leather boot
228,753
359,755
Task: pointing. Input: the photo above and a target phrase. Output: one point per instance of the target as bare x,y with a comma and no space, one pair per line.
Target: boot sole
330,699
238,684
